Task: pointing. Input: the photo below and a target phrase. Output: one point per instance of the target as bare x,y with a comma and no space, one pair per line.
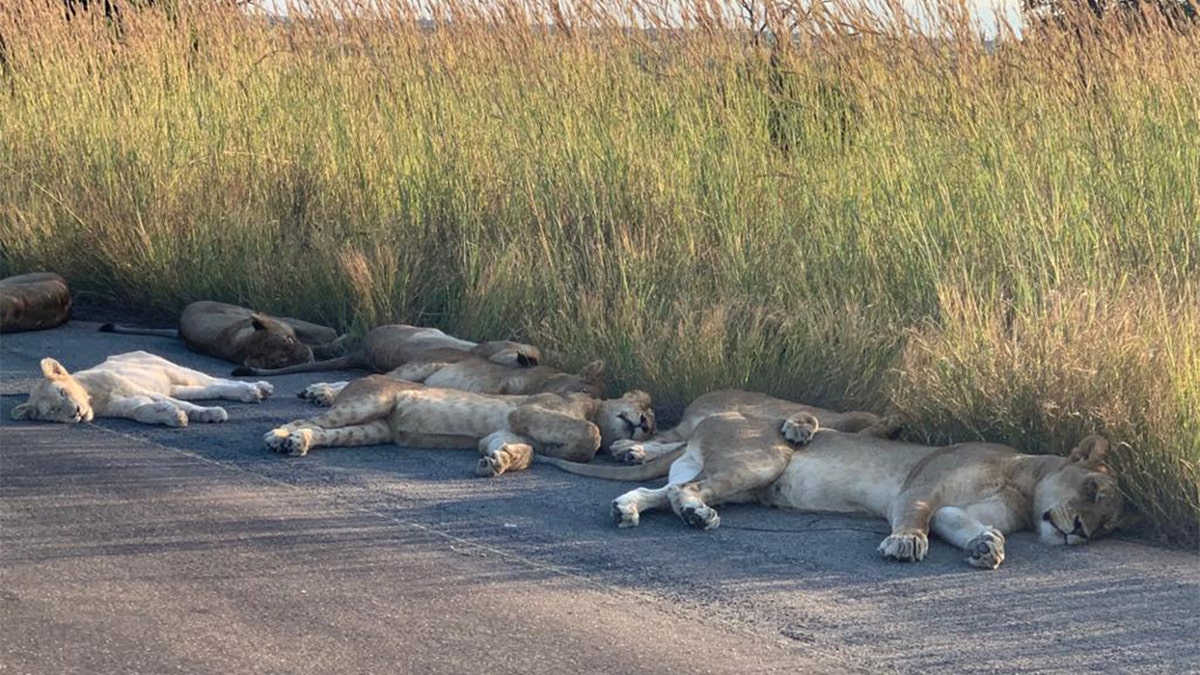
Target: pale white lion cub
138,386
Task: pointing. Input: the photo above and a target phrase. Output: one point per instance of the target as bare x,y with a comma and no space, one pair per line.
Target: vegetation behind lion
998,242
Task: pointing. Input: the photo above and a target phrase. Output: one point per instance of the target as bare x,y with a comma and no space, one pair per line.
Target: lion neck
1026,471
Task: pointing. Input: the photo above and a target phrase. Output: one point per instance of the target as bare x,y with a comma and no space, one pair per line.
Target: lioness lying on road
245,337
33,301
507,430
970,494
136,385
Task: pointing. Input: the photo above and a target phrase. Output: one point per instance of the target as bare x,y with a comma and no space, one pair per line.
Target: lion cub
137,386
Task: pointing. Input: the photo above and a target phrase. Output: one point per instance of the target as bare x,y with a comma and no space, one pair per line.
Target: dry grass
999,246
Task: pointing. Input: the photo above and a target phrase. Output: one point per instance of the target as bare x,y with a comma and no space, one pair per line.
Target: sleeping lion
970,494
506,430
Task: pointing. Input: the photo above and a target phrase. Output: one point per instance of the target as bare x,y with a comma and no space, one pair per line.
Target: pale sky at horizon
984,11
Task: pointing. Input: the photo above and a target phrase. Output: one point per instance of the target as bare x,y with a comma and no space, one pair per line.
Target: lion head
273,344
57,398
1080,501
627,418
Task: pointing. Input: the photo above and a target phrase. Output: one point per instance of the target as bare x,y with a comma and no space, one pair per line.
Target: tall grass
1000,245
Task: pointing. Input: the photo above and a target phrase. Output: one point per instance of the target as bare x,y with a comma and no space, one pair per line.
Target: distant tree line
1177,14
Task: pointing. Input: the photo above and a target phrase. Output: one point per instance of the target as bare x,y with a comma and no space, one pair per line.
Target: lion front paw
799,429
214,414
273,440
502,457
986,551
908,546
295,443
624,514
626,451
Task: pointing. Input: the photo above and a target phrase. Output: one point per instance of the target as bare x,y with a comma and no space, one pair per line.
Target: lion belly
842,476
450,413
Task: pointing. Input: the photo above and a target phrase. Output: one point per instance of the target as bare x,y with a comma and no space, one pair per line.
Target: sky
986,12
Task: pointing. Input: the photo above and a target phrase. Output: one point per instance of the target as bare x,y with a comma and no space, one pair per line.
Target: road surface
136,549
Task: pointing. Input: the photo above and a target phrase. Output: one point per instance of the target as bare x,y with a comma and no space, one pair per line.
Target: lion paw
489,466
298,442
908,546
703,517
799,429
626,451
624,515
986,551
320,394
294,443
214,414
256,392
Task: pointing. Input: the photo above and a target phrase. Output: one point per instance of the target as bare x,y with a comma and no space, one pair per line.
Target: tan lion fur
33,301
245,337
507,429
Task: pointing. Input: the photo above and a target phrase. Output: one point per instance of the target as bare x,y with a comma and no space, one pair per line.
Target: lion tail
655,468
129,330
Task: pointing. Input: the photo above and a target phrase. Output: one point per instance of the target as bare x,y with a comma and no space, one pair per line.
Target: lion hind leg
689,503
555,433
232,390
503,451
626,510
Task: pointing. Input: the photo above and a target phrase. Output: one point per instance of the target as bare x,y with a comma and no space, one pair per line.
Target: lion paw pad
986,551
703,517
623,515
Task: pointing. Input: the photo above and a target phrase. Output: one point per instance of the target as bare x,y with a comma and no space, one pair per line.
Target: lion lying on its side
243,336
33,301
429,356
136,385
507,430
970,494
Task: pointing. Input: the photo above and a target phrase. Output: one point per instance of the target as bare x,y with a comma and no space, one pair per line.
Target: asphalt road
136,549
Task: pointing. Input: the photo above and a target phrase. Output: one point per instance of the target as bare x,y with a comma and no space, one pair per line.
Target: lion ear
53,370
526,361
1090,451
21,412
258,322
592,371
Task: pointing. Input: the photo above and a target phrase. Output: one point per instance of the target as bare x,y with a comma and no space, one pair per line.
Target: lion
136,385
245,337
388,347
969,494
34,301
431,357
506,429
